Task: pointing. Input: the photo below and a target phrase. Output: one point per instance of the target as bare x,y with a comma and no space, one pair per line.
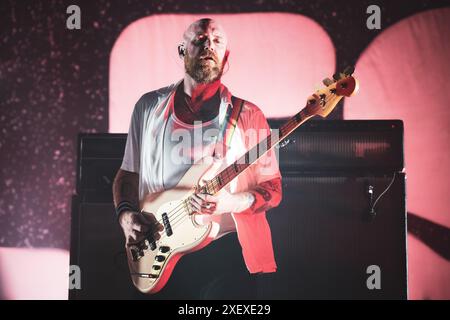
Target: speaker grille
324,239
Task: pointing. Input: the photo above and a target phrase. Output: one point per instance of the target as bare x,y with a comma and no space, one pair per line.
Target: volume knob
164,249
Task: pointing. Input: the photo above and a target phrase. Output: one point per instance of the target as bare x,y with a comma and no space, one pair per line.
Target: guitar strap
228,127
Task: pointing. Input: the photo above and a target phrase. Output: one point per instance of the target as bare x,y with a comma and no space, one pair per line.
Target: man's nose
208,44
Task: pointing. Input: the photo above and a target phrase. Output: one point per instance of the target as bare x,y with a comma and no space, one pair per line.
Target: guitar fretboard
232,171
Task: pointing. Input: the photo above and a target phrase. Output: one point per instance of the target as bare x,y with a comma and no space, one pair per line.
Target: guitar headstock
324,100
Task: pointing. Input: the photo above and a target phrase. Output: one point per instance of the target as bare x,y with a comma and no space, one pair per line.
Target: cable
372,209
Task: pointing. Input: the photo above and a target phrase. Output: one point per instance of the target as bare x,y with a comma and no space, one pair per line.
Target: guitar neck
240,165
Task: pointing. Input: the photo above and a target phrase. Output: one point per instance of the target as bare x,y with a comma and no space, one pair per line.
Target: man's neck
199,92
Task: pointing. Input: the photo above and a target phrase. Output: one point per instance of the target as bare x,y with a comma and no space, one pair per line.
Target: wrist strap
124,206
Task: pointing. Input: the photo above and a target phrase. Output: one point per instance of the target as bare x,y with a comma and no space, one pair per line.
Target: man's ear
181,50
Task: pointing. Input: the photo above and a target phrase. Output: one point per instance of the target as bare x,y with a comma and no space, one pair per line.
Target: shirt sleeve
265,171
132,155
266,168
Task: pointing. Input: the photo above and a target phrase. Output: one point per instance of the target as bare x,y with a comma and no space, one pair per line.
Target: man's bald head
203,25
204,49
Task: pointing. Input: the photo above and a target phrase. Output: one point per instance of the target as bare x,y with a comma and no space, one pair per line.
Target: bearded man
162,145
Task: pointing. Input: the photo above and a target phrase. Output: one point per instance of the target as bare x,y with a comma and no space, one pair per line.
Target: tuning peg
327,81
349,70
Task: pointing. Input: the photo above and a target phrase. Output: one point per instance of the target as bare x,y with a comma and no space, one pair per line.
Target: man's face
206,47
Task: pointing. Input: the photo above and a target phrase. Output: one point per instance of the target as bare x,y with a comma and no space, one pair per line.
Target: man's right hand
137,227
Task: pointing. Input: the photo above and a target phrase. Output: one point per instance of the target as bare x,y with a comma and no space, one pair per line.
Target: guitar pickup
166,224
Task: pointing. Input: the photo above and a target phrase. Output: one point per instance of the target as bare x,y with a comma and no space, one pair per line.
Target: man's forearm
126,188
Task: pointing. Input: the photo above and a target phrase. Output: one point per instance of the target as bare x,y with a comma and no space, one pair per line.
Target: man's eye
199,40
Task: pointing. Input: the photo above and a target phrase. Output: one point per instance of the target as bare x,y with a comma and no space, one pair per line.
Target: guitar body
148,274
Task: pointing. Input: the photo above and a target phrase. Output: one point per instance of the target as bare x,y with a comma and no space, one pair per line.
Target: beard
203,71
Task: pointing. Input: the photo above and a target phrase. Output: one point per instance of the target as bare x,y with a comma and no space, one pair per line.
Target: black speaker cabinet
326,239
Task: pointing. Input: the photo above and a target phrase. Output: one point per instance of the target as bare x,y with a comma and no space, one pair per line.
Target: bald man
162,145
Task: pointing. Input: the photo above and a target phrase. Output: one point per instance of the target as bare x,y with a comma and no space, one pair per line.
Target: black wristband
124,206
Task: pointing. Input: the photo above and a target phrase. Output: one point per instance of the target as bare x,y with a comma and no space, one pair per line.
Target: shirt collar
225,95
225,100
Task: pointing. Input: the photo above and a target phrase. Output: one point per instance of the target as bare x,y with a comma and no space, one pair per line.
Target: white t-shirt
184,144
